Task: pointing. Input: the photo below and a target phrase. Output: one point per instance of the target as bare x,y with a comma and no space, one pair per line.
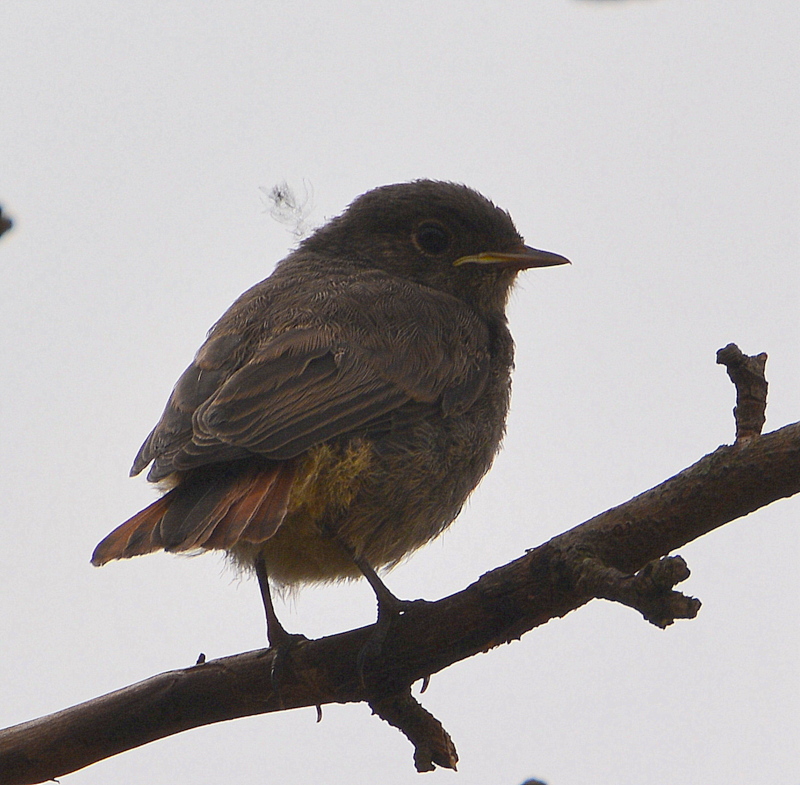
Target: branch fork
649,591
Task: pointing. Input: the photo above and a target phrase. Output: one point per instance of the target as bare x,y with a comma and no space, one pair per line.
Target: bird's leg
389,607
276,633
277,637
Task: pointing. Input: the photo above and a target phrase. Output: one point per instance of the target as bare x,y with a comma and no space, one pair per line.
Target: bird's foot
281,643
390,608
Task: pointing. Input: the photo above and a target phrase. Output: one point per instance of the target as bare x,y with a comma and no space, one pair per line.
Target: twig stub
649,591
432,743
747,374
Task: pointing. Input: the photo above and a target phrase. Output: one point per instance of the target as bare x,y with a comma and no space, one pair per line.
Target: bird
342,410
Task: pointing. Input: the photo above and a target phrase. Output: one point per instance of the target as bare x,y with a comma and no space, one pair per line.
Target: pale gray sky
651,141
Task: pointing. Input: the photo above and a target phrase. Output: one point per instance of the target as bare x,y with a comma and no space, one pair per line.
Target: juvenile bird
342,410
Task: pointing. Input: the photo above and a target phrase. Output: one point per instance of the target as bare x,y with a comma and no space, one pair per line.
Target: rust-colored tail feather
214,510
272,510
137,536
256,515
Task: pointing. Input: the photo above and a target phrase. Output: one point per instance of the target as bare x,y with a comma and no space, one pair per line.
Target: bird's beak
523,259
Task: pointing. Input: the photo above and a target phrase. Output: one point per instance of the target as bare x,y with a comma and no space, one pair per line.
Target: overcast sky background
653,142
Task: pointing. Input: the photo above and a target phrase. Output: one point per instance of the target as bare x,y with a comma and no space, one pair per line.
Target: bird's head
439,234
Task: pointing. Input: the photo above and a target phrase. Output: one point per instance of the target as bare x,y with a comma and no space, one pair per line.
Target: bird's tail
212,508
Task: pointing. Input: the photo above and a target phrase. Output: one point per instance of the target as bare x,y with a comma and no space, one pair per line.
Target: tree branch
616,555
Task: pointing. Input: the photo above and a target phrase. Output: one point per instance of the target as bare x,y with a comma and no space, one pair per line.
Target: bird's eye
432,238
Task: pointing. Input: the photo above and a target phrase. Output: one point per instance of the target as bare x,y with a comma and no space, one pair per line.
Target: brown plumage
345,407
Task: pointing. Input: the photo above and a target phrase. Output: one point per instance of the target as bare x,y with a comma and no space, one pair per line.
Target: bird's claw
281,659
390,608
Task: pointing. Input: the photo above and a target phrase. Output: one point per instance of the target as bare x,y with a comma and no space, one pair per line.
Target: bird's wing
351,367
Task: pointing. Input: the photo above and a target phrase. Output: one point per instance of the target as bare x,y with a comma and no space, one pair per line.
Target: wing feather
356,365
